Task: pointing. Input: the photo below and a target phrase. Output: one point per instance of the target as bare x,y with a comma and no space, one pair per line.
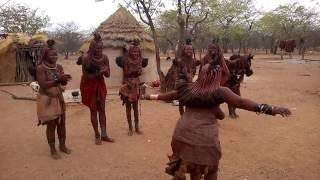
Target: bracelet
154,96
56,81
273,107
264,108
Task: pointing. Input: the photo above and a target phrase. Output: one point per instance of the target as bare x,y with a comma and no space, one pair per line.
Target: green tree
22,19
69,37
226,13
148,11
296,20
190,14
167,28
269,26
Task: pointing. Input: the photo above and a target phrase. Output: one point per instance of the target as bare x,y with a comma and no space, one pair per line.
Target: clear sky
89,14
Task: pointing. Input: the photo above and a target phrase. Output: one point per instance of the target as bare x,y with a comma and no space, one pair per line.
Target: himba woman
215,56
132,64
50,102
186,66
195,142
95,66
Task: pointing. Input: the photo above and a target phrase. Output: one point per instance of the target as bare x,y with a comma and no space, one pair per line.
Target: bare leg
181,109
61,130
103,121
128,112
237,91
136,117
233,111
94,122
230,108
51,126
212,174
195,176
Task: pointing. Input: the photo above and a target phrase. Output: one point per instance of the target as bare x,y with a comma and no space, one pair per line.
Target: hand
104,71
145,97
284,112
142,97
65,78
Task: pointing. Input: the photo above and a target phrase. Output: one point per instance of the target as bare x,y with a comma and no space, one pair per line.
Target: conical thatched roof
121,28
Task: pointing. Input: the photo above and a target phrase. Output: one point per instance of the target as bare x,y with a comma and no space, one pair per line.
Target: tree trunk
158,60
182,32
200,53
245,48
156,43
303,51
225,46
240,46
66,55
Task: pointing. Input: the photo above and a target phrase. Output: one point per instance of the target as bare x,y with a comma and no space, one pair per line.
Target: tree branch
140,13
199,22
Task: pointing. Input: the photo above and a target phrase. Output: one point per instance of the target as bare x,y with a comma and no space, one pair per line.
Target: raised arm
225,71
172,95
88,75
106,68
85,69
41,78
247,104
63,78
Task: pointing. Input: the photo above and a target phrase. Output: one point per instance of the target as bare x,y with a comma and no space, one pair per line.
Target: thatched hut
118,31
19,52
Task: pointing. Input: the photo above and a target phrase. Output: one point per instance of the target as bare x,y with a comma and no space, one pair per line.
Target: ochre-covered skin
95,66
50,102
195,142
132,64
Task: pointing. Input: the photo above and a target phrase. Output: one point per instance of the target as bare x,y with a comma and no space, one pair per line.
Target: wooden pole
15,84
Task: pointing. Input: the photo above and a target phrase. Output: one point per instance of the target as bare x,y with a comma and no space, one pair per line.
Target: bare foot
232,116
65,150
138,131
130,133
98,141
55,155
107,139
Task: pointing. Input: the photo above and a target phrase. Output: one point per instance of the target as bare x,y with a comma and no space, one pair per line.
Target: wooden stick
19,98
15,84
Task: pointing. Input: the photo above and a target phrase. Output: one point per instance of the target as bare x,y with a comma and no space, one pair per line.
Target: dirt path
254,146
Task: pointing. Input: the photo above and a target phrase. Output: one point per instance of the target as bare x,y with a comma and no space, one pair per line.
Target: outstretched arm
225,71
172,95
247,104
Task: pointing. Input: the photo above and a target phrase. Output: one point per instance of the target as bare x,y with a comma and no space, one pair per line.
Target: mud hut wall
8,65
149,73
116,73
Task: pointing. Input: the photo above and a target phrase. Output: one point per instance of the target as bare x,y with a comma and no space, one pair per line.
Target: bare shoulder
85,60
223,91
39,67
59,66
105,58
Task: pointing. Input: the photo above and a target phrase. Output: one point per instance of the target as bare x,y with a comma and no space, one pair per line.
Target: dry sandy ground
255,147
